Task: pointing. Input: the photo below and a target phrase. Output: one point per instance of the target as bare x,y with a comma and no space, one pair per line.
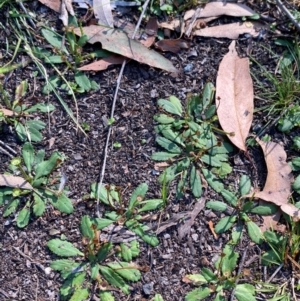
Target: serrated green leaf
216,205
112,215
138,195
244,185
266,209
95,270
197,294
223,170
102,223
28,155
103,252
126,270
177,104
135,248
80,294
236,234
183,164
39,157
168,106
106,296
10,207
197,279
23,217
83,81
230,197
212,180
20,130
125,252
114,279
44,168
62,203
168,133
209,275
38,205
229,260
163,119
168,145
169,174
195,182
211,160
245,292
162,156
63,248
150,205
224,224
254,232
66,267
72,283
44,108
86,227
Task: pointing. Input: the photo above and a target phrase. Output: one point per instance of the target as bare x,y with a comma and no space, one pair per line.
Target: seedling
215,284
189,141
95,264
240,207
36,186
128,213
26,129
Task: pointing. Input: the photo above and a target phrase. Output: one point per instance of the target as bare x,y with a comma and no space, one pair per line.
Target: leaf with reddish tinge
118,42
230,31
151,31
217,8
277,189
15,182
102,12
103,64
234,97
172,45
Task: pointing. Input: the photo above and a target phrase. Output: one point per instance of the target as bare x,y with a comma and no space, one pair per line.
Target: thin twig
113,112
239,272
274,274
25,11
288,13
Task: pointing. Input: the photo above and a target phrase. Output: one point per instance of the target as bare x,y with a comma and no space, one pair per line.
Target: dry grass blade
234,97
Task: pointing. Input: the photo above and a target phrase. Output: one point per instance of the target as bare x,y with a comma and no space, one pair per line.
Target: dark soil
25,258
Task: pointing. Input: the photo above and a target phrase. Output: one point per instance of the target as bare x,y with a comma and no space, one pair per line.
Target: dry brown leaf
230,31
118,42
234,97
212,229
277,189
7,112
217,8
103,64
15,182
172,45
66,8
53,4
102,12
175,24
151,31
161,166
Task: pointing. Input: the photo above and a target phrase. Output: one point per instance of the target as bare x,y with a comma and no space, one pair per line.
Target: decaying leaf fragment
65,8
53,4
15,182
103,64
102,11
234,97
118,42
230,31
277,189
7,112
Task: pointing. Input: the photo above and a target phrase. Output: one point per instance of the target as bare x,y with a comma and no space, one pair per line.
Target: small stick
288,13
25,11
274,274
112,114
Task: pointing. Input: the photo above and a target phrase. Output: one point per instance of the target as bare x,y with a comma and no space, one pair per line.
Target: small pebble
77,157
148,288
48,271
188,68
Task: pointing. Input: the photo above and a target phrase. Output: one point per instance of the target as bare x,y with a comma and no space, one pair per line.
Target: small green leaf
54,39
23,217
162,156
197,294
168,133
106,296
236,234
151,205
114,279
45,108
138,195
197,279
38,205
195,182
224,224
82,40
230,197
63,248
168,145
169,107
86,227
245,292
163,119
83,81
209,275
216,205
28,155
66,267
102,223
72,283
39,157
10,207
126,252
296,184
208,95
169,174
183,164
95,270
135,248
52,83
104,250
54,59
229,261
126,270
244,185
158,297
62,203
45,167
177,104
266,209
254,232
80,294
181,187
213,182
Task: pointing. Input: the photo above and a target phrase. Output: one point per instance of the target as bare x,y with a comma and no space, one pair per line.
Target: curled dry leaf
217,8
230,31
118,42
234,97
15,182
172,45
277,189
103,64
